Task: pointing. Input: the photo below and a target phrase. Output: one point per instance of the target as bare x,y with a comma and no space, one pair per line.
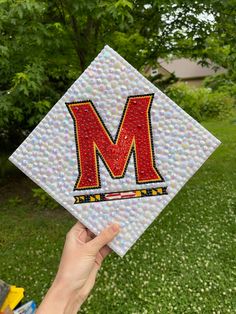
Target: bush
201,103
44,200
222,83
7,168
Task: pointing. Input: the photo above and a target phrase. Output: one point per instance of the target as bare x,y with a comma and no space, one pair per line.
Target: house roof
186,69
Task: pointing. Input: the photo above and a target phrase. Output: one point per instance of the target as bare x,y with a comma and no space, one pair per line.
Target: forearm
59,300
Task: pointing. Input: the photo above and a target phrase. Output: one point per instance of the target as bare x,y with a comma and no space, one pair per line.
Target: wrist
71,298
60,300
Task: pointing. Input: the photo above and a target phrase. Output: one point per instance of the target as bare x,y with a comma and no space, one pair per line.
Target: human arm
81,259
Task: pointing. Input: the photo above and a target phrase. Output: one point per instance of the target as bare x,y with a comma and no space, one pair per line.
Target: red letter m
133,135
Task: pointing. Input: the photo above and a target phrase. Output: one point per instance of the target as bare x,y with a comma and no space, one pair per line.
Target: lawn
184,262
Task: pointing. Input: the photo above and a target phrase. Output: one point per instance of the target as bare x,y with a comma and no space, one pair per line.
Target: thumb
106,236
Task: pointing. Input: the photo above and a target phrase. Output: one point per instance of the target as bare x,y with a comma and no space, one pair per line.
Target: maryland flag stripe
101,197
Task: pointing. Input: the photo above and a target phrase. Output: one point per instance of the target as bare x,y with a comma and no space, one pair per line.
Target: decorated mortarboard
114,148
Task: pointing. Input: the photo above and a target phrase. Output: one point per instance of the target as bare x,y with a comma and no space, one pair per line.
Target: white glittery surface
48,155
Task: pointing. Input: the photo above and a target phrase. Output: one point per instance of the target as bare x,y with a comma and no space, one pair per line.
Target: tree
221,45
45,45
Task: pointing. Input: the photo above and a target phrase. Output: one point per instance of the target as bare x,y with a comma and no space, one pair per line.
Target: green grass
184,262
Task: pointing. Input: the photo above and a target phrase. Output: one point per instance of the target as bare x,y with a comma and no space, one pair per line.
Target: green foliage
6,168
201,103
44,201
222,83
14,201
161,82
219,46
45,45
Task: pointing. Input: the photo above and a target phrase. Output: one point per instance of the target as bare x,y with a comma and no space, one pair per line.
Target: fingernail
115,227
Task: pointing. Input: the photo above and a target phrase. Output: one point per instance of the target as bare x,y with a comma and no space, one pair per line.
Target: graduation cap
114,148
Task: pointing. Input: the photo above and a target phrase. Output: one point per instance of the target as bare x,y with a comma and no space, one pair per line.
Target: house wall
196,82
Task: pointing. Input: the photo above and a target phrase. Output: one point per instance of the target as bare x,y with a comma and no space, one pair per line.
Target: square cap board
114,148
